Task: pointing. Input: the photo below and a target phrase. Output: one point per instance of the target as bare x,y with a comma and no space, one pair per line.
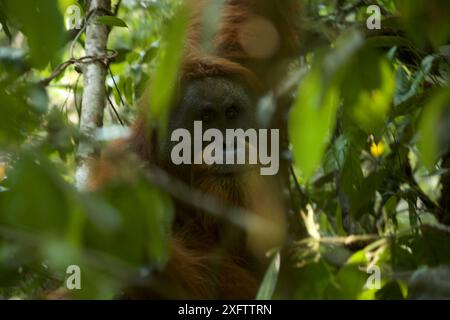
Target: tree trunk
94,95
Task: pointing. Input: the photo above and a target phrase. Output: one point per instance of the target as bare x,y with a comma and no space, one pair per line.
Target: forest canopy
368,148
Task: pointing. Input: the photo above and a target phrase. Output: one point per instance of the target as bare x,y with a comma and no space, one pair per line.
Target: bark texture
94,95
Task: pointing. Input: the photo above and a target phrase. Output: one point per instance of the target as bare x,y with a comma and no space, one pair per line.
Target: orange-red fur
201,265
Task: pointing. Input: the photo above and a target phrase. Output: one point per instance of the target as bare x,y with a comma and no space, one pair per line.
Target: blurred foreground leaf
269,282
430,135
42,23
165,79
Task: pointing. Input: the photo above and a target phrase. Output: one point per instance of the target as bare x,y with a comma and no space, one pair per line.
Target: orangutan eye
207,115
232,113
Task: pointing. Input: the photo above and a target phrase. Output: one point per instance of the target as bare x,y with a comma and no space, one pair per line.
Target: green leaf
45,209
312,121
130,222
426,21
337,154
313,280
4,21
23,111
429,136
112,21
372,107
269,282
350,280
164,81
437,238
403,94
390,291
43,24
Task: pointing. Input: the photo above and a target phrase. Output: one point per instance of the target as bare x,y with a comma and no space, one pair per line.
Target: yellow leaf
377,150
2,172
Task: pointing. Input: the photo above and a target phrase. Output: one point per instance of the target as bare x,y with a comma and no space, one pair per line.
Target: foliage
369,132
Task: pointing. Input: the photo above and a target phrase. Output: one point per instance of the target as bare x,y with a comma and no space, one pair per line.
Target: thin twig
114,110
77,108
63,66
60,69
116,86
116,8
240,217
82,30
64,106
351,239
301,194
